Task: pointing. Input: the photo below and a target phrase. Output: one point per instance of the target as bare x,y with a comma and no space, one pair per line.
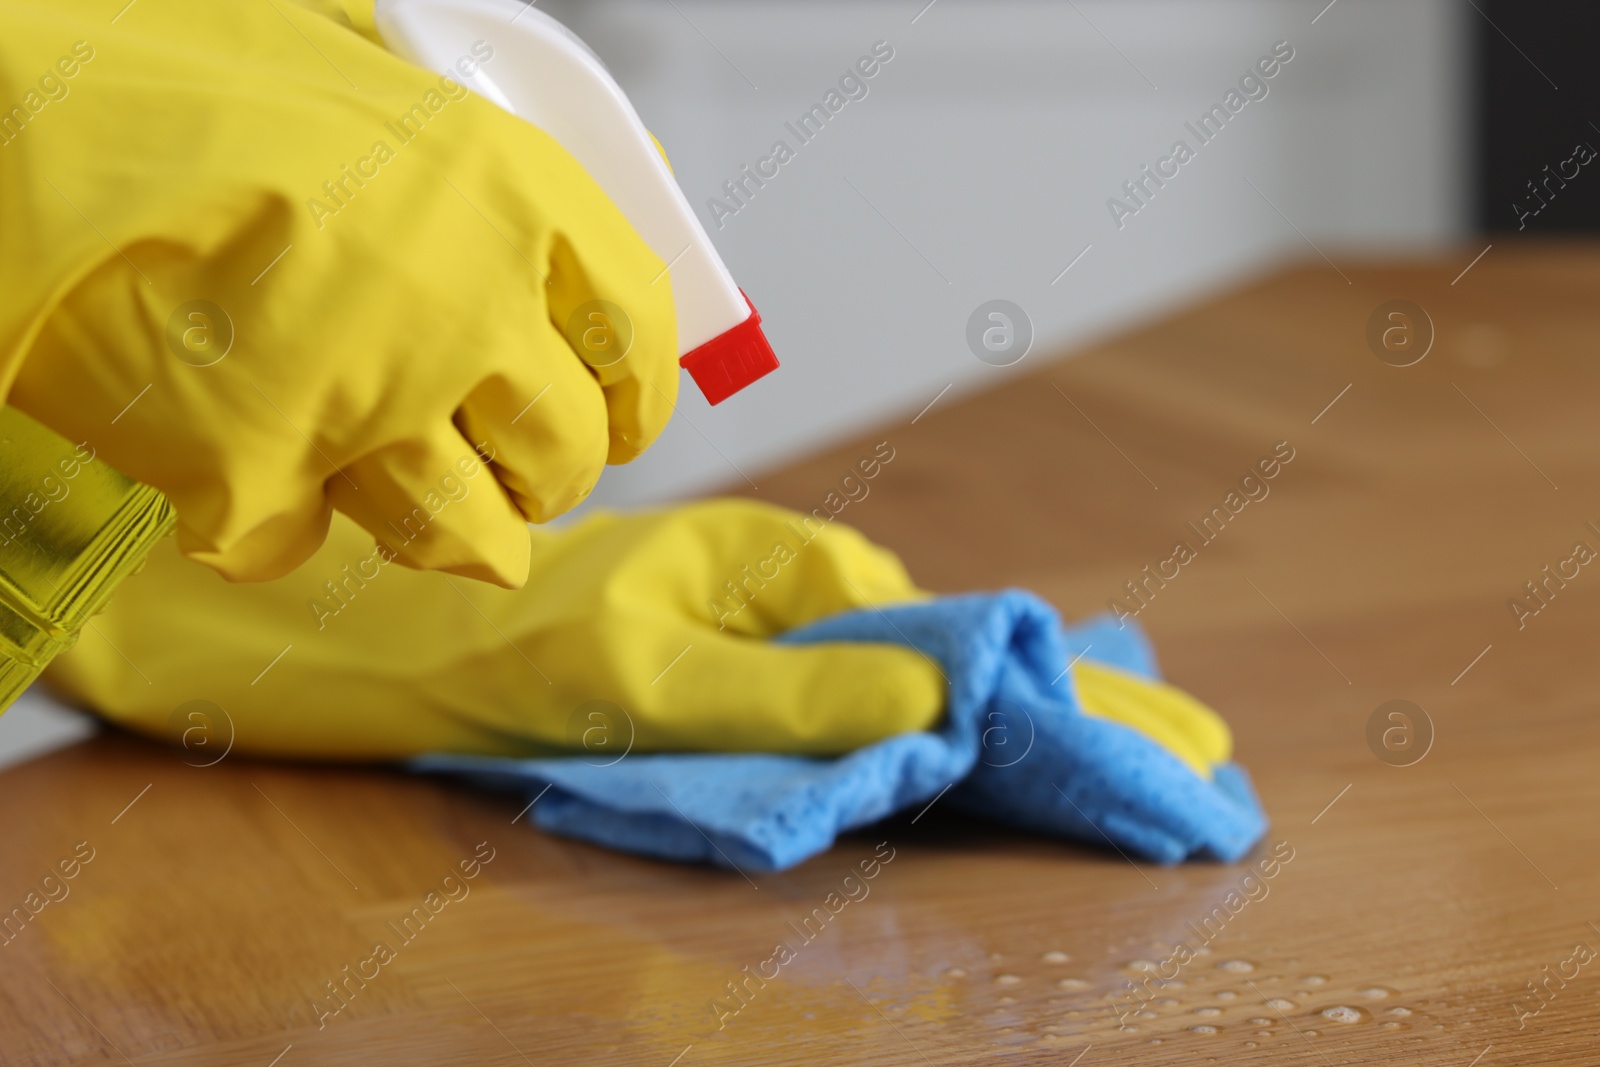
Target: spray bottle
71,529
544,73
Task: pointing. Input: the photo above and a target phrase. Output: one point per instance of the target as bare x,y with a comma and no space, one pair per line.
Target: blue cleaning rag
1014,747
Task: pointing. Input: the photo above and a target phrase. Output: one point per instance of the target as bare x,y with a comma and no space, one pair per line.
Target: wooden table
1430,898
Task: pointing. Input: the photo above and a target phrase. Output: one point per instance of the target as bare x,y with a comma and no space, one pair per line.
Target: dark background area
1537,85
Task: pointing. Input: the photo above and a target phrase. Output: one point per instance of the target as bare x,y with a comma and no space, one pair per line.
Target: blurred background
979,160
979,166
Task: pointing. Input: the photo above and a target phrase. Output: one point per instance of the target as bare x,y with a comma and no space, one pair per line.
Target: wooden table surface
1451,903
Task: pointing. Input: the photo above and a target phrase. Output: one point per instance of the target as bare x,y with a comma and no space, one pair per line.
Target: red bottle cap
732,359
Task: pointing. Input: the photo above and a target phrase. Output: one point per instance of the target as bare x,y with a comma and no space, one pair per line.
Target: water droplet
1315,979
1141,965
1391,1026
1155,1041
1007,979
1376,992
1202,1028
1208,1011
1168,1002
1312,1033
1397,1010
1006,1000
1249,1044
1263,1033
1142,1014
1259,1022
1055,957
1227,994
955,972
1072,983
1236,966
1339,1013
1281,1004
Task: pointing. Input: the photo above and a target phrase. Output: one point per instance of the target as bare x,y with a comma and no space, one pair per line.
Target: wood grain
1380,567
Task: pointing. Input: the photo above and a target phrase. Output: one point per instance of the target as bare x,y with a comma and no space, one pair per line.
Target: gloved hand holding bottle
263,265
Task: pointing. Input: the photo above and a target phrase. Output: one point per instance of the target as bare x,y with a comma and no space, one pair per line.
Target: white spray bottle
543,73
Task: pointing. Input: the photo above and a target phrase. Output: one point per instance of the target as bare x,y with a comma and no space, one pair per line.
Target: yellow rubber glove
1164,713
628,624
261,264
354,658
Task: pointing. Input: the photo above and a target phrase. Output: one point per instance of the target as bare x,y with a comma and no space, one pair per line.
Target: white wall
992,141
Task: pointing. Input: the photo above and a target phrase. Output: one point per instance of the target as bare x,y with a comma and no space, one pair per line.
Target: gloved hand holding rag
278,273
837,695
274,271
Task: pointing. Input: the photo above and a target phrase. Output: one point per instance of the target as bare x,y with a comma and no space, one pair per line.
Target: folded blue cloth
1013,747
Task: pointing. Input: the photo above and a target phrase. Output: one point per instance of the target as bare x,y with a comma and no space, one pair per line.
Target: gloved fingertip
1185,727
268,552
499,559
548,503
624,447
493,572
